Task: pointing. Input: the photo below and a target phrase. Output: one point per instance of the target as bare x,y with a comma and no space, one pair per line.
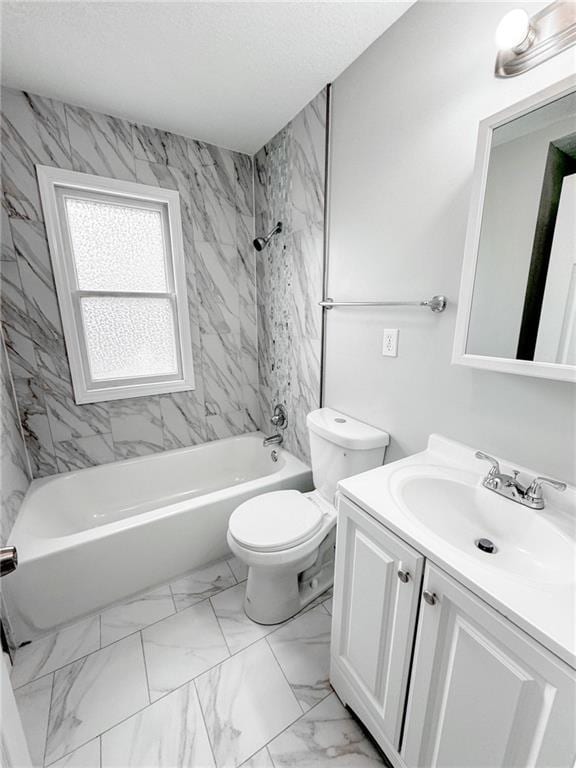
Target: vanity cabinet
377,589
481,692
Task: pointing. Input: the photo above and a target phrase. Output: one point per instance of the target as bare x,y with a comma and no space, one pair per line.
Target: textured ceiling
231,73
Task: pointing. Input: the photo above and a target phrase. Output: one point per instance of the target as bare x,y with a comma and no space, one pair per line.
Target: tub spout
273,440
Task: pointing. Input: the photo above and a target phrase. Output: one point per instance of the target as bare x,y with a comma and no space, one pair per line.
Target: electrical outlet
390,342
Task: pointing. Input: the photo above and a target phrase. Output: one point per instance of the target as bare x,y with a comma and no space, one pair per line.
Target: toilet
287,538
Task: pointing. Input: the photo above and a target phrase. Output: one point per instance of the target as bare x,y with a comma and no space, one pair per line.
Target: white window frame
54,183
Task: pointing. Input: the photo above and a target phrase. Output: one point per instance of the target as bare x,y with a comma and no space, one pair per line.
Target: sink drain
486,546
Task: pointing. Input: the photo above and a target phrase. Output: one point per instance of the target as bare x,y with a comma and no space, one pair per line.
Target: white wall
405,119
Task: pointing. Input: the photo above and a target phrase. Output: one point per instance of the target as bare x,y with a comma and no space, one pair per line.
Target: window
120,276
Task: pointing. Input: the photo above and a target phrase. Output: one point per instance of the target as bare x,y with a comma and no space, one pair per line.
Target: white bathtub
89,538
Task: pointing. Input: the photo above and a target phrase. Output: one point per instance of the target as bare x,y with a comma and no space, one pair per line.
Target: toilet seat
275,521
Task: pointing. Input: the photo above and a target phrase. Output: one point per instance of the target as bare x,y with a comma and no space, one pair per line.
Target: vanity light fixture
524,41
515,32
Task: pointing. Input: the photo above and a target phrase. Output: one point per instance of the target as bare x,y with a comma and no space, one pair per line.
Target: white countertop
547,611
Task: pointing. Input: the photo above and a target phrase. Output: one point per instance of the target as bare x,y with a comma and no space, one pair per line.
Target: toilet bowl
287,538
280,536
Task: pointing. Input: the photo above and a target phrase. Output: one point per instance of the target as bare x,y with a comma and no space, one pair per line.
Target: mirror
517,310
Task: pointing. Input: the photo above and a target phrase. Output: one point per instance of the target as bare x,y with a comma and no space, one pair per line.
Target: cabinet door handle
404,576
429,597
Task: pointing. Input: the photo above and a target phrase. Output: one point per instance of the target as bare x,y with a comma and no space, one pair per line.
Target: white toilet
287,538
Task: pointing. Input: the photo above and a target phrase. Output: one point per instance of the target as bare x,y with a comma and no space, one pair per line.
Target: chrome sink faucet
280,421
509,487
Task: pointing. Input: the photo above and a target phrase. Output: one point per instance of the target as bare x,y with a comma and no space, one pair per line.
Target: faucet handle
280,417
495,468
534,490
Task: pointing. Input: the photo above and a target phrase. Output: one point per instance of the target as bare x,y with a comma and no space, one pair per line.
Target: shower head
261,242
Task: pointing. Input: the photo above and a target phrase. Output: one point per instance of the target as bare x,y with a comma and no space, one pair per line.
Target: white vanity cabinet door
483,693
373,622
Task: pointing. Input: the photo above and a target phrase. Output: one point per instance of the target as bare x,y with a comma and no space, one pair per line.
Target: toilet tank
341,447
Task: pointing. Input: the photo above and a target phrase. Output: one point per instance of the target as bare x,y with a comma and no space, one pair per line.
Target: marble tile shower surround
15,473
289,187
216,192
181,677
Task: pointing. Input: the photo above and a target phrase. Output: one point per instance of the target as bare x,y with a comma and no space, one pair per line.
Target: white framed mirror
517,306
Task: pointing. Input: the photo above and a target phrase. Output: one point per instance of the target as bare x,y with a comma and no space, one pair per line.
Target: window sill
134,390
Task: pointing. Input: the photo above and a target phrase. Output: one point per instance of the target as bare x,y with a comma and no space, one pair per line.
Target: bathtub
90,538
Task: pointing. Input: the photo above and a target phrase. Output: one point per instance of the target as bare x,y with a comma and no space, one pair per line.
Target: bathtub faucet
280,421
274,440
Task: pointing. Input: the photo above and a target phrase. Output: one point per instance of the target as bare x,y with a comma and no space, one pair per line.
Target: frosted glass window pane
116,247
129,337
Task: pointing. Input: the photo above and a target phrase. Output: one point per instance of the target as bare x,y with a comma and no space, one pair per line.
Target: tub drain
486,546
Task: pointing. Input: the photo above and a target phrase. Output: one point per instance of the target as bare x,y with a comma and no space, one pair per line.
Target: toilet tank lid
345,431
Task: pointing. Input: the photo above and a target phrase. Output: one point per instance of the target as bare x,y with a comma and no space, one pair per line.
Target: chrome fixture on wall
280,421
8,560
261,242
280,417
525,41
436,303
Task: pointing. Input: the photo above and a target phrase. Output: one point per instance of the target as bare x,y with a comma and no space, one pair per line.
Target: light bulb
514,31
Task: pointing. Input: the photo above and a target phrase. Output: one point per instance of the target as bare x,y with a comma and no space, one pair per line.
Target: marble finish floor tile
320,600
99,699
181,647
168,734
33,702
95,693
239,569
87,756
261,759
202,583
246,702
302,648
327,737
56,650
238,629
139,612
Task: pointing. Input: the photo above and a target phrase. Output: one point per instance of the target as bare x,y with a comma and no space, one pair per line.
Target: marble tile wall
289,187
216,192
15,472
14,467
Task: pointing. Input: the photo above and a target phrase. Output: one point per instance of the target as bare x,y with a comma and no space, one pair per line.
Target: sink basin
453,506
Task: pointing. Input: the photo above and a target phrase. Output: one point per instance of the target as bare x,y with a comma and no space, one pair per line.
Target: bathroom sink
452,505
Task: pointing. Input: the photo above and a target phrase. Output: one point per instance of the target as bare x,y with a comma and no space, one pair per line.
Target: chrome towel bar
436,303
